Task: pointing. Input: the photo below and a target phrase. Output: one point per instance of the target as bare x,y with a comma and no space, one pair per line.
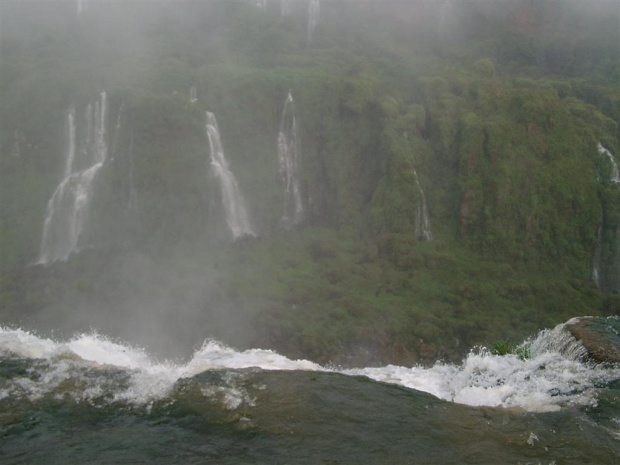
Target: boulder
600,337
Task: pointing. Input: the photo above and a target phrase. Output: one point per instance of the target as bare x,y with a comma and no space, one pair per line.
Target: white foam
147,378
549,380
213,356
544,383
25,344
92,347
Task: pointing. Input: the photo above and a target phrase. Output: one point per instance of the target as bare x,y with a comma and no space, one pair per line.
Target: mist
383,151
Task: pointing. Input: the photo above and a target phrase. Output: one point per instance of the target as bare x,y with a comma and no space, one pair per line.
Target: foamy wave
144,379
544,383
547,381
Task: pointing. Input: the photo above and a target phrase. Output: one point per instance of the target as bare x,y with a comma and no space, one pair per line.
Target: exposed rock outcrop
599,336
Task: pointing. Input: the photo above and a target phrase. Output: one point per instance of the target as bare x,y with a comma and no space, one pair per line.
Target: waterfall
133,194
615,175
288,153
446,21
313,18
234,207
596,261
423,222
192,95
559,340
70,142
18,140
117,129
100,150
68,208
615,286
606,262
285,9
261,4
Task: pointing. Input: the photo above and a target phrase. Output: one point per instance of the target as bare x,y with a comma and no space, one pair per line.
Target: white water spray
553,377
234,206
314,10
68,208
288,154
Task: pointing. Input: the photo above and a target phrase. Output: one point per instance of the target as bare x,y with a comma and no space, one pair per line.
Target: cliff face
416,155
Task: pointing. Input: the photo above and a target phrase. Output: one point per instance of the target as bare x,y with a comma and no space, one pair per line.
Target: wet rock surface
599,336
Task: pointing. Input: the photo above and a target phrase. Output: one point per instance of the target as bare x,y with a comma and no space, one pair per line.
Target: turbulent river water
91,400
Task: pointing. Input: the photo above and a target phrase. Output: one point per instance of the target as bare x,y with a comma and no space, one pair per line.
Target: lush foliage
499,118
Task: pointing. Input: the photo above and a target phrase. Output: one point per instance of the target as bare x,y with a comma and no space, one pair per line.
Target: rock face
599,336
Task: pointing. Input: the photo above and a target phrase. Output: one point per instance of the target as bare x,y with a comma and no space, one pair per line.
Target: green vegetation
502,347
501,122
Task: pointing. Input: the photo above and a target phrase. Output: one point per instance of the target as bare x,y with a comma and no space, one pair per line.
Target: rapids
110,402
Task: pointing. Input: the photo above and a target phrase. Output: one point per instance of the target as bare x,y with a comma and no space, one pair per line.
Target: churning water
93,400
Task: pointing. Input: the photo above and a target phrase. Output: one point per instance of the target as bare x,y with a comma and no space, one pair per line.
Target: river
93,400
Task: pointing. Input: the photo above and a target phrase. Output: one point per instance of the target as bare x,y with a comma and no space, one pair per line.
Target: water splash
552,378
68,208
234,206
288,153
615,173
314,9
558,340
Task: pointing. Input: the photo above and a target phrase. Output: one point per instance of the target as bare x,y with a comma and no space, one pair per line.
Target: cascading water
605,262
288,153
81,6
616,285
615,174
70,142
313,18
553,376
100,149
234,206
132,205
192,95
446,21
285,9
596,262
423,222
67,209
117,129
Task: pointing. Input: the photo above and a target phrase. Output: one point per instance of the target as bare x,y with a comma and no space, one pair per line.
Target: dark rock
599,336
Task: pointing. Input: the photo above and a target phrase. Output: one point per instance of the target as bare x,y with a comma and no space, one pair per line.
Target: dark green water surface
288,417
